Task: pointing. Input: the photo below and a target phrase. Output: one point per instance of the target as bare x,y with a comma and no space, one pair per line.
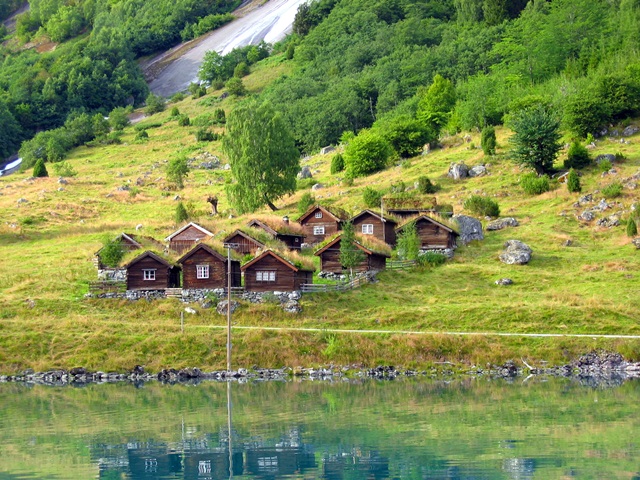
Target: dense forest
93,70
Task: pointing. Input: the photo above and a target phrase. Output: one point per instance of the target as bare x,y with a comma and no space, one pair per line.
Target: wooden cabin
283,230
270,272
330,258
126,241
432,233
405,213
319,223
243,242
186,237
381,227
149,271
203,267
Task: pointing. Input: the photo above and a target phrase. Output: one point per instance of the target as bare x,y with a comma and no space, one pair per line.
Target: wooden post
229,313
182,322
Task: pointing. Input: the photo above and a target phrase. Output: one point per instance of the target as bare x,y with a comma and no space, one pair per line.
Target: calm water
467,429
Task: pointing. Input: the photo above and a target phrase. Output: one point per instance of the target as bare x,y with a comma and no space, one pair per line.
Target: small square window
367,229
202,271
149,274
318,214
318,230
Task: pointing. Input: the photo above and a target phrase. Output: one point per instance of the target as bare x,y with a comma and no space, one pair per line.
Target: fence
108,286
336,287
399,264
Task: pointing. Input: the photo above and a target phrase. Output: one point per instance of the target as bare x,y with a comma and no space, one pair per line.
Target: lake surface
416,429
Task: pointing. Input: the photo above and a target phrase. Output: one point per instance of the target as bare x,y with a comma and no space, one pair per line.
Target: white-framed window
367,229
149,274
297,240
318,214
318,230
202,271
266,276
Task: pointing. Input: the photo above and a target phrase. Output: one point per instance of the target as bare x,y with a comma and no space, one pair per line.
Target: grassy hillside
589,287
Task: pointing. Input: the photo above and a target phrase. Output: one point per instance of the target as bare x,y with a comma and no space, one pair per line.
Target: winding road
174,70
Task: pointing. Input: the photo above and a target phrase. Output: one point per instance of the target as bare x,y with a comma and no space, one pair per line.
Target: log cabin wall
384,231
293,242
286,279
331,227
377,262
245,245
217,271
135,275
434,236
187,239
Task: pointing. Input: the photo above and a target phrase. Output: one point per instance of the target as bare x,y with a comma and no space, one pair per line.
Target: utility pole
229,246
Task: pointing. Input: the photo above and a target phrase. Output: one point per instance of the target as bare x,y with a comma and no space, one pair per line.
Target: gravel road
269,22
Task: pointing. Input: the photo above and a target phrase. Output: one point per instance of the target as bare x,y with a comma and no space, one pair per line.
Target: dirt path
172,71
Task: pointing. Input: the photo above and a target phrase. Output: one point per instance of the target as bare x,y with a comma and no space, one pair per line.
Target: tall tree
263,157
536,141
350,254
435,107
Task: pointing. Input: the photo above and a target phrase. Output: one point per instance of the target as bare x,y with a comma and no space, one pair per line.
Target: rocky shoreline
593,369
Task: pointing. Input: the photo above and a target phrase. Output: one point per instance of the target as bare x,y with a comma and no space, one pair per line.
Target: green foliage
176,170
573,182
204,25
398,187
408,245
177,97
310,14
367,153
426,186
216,67
206,135
11,132
119,118
371,197
111,253
488,140
532,184
613,190
181,214
263,157
406,135
235,87
435,107
350,254
536,141
605,165
432,259
241,70
174,112
305,202
632,228
577,156
155,104
219,116
141,136
337,163
482,206
39,169
585,113
64,169
291,49
184,121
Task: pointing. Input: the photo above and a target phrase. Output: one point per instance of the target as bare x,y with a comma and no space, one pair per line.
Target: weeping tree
263,157
350,254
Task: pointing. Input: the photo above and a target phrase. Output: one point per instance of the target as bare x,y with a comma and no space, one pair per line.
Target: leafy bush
241,70
39,170
605,165
533,184
305,202
155,104
577,156
406,135
206,135
176,170
372,197
632,228
235,87
426,186
141,136
488,140
177,97
219,116
573,182
305,183
64,169
432,259
184,121
482,206
367,153
181,214
175,112
398,187
111,252
337,163
612,190
119,118
147,125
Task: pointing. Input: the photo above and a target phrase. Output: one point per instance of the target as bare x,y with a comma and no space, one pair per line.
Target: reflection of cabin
154,462
243,243
270,272
319,223
269,462
203,267
187,236
288,233
330,258
148,271
204,465
380,227
432,234
358,464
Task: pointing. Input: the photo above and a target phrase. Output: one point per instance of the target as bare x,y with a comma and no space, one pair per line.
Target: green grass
589,287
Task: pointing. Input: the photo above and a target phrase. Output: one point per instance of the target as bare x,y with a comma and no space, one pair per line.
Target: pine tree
181,213
632,228
488,140
573,182
39,170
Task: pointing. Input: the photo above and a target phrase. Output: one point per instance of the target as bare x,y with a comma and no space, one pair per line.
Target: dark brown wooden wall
382,231
330,261
217,271
135,276
286,278
331,227
434,236
293,242
186,240
244,244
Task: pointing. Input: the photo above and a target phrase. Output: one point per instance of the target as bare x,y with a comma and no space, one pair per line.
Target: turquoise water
416,429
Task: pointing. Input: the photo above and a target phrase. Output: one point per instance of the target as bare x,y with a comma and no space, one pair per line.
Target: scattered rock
609,222
138,227
478,171
327,149
60,189
177,197
504,281
458,171
630,130
586,216
469,228
605,156
23,200
190,310
603,205
501,223
317,186
292,306
567,243
516,253
30,303
305,173
62,181
221,308
123,188
636,242
140,182
206,304
224,95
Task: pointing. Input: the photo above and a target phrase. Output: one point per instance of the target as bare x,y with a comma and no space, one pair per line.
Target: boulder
478,171
62,181
605,156
501,223
317,186
222,307
609,222
326,150
516,253
292,306
458,171
586,216
469,228
190,310
304,173
636,242
630,130
504,281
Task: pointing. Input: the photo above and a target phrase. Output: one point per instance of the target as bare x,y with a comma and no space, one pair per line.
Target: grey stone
190,310
469,228
586,216
317,186
630,130
62,181
222,307
478,171
295,295
327,149
206,304
602,206
636,242
605,156
123,188
291,306
305,173
609,222
501,223
60,189
504,281
516,253
458,171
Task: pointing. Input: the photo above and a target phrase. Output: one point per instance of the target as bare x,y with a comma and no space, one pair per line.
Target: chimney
285,220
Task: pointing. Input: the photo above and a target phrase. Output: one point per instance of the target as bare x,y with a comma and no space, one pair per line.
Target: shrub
177,97
612,190
482,206
183,121
291,49
367,153
398,187
406,135
426,186
181,214
176,170
573,182
577,156
488,140
219,116
347,181
241,70
632,228
605,165
432,259
174,113
206,135
39,170
305,202
142,135
235,87
371,197
337,163
155,104
533,184
64,169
